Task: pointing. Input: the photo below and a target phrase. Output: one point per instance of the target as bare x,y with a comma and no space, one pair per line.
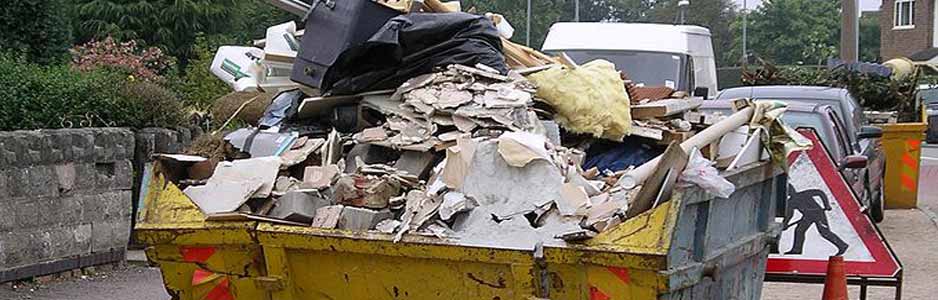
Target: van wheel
876,205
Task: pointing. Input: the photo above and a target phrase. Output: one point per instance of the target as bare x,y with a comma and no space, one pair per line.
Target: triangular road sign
824,219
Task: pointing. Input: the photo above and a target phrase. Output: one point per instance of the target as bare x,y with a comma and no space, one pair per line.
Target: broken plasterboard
234,182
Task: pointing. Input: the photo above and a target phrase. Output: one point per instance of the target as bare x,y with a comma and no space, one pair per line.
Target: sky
864,4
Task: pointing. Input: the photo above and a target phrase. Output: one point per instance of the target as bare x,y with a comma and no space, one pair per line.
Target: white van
676,56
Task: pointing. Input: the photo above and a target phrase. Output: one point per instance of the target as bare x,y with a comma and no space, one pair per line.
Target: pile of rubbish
521,150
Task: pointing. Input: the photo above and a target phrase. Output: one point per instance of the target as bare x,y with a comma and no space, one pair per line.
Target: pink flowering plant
149,64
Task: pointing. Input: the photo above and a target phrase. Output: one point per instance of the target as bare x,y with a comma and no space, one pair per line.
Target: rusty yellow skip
693,247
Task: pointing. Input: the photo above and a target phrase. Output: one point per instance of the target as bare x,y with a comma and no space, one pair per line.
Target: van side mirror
853,162
869,132
701,91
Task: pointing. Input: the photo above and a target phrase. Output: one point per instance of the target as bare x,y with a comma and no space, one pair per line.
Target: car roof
792,106
785,92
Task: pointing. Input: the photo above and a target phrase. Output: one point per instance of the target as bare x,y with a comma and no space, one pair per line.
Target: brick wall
905,42
64,199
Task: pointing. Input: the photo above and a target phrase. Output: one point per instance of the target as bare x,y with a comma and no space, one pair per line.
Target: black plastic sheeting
618,156
412,45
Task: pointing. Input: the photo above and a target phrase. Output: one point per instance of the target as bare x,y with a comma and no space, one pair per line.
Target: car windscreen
644,68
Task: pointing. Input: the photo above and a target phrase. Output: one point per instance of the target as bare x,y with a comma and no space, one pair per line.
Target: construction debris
553,153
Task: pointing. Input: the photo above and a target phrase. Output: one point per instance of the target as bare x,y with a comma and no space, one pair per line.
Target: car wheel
876,205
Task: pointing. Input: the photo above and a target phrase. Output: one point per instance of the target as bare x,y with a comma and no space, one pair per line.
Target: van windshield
644,68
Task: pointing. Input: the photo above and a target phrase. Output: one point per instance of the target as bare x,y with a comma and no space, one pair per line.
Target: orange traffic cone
835,285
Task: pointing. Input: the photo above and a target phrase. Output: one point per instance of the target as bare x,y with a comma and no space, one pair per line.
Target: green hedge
57,96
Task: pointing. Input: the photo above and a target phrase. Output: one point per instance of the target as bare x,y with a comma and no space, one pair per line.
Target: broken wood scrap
664,108
659,186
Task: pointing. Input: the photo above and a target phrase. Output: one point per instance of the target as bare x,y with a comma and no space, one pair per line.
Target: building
907,28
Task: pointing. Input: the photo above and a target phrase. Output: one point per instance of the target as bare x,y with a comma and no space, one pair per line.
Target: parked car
863,174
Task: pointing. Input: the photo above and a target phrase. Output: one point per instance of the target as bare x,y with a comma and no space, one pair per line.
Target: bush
145,64
58,96
199,88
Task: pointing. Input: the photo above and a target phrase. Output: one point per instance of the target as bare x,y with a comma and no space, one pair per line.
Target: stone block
82,143
361,219
65,177
416,163
104,236
42,181
27,213
298,206
82,237
86,178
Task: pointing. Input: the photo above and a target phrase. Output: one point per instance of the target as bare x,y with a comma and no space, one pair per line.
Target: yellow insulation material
590,99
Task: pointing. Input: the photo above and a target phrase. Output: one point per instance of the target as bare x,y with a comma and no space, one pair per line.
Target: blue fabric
619,156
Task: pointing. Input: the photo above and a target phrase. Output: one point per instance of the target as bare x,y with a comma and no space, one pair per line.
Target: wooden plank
659,186
647,132
664,108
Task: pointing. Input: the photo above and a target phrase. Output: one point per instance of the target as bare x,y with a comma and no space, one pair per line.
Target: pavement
912,233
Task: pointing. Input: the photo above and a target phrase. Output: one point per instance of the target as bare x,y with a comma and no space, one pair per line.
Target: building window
904,14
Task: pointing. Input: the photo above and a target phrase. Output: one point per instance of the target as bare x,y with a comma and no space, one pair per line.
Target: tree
869,37
717,15
792,31
545,13
33,29
169,24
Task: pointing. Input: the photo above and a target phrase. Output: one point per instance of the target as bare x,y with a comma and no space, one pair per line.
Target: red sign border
884,262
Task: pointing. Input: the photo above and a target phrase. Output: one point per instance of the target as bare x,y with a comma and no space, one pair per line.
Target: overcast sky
864,4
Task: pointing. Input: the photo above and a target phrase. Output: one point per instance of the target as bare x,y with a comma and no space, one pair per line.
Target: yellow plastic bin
902,143
694,246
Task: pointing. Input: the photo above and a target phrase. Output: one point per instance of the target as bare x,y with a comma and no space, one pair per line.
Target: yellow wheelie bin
695,246
902,143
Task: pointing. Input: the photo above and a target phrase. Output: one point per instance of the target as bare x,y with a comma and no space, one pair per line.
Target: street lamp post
745,25
527,34
576,10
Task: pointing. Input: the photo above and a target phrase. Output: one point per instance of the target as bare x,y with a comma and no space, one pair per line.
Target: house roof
924,55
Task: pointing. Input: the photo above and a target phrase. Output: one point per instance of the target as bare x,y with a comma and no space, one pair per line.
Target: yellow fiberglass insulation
590,99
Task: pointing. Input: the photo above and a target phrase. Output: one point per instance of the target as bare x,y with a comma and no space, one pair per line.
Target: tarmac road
913,234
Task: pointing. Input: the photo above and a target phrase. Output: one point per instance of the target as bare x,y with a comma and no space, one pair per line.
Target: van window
644,68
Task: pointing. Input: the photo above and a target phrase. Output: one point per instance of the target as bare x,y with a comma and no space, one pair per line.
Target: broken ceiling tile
317,177
442,120
262,170
452,98
221,197
454,202
327,217
464,124
416,163
284,184
572,199
372,134
479,72
295,156
520,148
387,226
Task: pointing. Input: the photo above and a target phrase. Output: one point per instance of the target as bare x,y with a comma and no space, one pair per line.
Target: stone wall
65,199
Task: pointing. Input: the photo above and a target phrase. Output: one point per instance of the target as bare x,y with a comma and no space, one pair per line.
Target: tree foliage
34,29
792,31
869,37
716,15
170,24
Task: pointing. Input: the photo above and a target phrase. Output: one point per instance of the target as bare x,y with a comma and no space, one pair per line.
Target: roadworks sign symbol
823,219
